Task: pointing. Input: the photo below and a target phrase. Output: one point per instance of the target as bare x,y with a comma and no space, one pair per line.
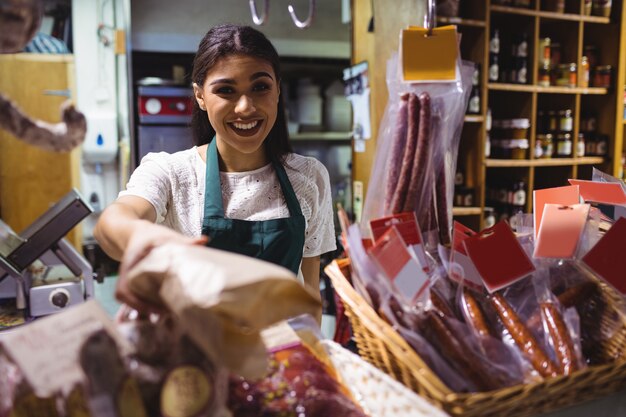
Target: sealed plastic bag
417,150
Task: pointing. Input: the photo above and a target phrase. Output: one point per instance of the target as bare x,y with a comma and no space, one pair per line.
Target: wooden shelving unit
574,30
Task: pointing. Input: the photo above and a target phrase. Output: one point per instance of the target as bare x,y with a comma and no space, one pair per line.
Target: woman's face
240,95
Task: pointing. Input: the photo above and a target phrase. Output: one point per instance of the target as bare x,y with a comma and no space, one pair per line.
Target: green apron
279,241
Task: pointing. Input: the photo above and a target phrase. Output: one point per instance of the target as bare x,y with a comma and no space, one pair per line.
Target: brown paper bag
201,285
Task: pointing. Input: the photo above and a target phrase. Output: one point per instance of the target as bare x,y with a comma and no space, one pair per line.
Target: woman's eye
261,87
224,90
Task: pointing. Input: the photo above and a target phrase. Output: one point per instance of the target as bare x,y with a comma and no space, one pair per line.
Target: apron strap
290,195
213,205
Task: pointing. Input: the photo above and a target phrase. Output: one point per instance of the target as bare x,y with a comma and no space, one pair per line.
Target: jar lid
564,112
566,66
603,68
512,123
566,136
545,136
512,144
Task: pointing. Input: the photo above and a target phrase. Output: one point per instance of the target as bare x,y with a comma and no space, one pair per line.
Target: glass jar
584,69
555,54
580,145
601,8
602,76
602,145
510,148
591,52
587,7
566,121
544,52
547,146
543,80
553,121
563,145
494,68
557,6
566,75
490,218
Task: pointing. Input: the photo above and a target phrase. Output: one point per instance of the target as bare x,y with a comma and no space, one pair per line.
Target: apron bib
279,241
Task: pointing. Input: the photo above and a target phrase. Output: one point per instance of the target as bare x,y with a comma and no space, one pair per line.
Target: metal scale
39,268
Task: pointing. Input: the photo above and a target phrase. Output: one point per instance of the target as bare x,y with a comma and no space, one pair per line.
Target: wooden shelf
547,90
466,211
327,136
461,21
550,15
548,162
474,119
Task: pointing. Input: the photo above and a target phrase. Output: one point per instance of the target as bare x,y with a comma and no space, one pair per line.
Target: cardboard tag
560,195
498,257
47,350
461,266
607,258
441,48
561,229
406,224
601,192
395,261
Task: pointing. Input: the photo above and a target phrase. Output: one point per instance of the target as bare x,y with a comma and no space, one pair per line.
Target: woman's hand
145,237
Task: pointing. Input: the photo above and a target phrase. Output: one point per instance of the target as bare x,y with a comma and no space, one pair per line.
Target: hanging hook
264,16
309,19
431,16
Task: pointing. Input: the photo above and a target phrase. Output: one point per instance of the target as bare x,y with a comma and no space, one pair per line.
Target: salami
442,204
398,145
561,340
421,155
474,314
399,195
523,338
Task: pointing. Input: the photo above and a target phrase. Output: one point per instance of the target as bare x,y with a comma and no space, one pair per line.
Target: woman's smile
246,128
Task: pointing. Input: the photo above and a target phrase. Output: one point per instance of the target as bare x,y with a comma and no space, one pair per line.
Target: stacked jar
554,139
512,67
510,139
596,144
507,197
601,76
473,106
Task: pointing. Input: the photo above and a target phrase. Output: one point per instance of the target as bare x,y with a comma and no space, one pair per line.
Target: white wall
178,26
101,79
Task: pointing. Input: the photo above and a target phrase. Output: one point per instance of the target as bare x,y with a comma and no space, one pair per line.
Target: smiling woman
241,188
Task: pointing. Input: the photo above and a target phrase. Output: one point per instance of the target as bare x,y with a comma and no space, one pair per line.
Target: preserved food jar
580,145
547,146
555,6
602,145
567,75
553,121
544,75
563,145
602,76
584,69
601,8
510,149
566,121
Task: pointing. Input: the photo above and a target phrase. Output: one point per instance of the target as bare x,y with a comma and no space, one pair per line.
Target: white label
494,45
522,49
519,198
580,148
521,75
474,104
564,147
493,72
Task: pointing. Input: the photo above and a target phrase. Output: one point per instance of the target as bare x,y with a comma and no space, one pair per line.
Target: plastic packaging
429,168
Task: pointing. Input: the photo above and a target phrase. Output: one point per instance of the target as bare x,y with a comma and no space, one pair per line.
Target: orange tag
601,192
607,258
560,195
498,257
560,231
427,58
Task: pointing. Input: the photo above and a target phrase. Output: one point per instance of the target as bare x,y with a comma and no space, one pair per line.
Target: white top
174,185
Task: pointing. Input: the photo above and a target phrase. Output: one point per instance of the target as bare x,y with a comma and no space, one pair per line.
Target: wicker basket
382,346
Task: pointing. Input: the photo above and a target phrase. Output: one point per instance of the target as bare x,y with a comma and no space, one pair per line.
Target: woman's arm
311,273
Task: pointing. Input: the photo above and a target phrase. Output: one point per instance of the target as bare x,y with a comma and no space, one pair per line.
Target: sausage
474,314
522,337
442,205
441,306
399,195
456,351
575,295
563,344
398,145
420,158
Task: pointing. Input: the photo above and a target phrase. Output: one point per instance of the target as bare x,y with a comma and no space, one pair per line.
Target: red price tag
498,257
607,258
560,231
461,266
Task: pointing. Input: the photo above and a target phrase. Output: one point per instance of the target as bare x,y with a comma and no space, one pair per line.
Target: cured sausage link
420,158
563,344
522,337
474,314
398,145
399,195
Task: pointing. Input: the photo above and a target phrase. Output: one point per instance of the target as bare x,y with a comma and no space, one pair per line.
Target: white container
337,111
309,105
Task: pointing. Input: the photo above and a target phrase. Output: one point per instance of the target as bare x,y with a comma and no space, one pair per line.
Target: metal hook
308,21
431,16
264,16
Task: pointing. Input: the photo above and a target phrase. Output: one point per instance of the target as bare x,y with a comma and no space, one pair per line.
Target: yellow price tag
429,57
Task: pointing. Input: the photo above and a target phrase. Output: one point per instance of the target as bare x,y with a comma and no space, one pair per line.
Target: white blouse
174,185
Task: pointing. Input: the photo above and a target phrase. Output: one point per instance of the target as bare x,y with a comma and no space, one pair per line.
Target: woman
240,186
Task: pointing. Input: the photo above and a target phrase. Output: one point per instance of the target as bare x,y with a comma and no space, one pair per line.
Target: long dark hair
225,40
